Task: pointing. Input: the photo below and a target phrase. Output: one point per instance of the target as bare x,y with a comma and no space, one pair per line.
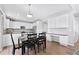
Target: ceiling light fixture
29,14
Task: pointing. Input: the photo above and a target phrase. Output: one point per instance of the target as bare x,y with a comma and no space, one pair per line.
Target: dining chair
22,38
41,41
29,43
14,46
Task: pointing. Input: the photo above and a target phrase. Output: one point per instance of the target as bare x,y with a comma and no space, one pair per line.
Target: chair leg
45,44
13,51
38,48
23,50
35,49
18,42
43,47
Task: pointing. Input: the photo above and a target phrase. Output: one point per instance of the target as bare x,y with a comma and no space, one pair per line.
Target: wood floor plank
53,48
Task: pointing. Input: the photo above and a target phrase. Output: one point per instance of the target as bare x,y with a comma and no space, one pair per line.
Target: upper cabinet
58,22
19,24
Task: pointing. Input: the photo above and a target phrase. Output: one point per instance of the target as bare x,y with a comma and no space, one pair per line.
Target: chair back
32,37
42,35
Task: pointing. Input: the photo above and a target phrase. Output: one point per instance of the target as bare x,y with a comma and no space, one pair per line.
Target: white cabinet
55,38
63,40
7,39
19,24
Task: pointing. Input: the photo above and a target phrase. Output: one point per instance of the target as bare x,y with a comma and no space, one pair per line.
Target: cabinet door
55,38
64,40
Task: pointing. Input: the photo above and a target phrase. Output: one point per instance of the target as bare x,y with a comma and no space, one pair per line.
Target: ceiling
39,11
76,9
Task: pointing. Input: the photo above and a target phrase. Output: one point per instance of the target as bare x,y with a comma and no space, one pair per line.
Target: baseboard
71,45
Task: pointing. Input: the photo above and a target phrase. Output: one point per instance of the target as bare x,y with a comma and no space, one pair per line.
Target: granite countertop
58,34
59,31
16,30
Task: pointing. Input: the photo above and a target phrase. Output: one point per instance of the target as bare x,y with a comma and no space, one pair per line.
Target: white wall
0,33
72,29
77,27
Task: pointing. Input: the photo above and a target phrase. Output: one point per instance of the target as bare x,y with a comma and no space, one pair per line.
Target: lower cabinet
7,39
55,38
64,40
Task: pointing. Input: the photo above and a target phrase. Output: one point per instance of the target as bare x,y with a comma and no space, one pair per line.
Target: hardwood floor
77,46
53,48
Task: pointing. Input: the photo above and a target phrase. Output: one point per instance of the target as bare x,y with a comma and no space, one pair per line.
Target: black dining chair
41,41
29,43
22,37
14,46
44,38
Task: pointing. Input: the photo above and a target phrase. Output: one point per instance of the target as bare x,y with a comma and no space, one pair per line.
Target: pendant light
29,14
